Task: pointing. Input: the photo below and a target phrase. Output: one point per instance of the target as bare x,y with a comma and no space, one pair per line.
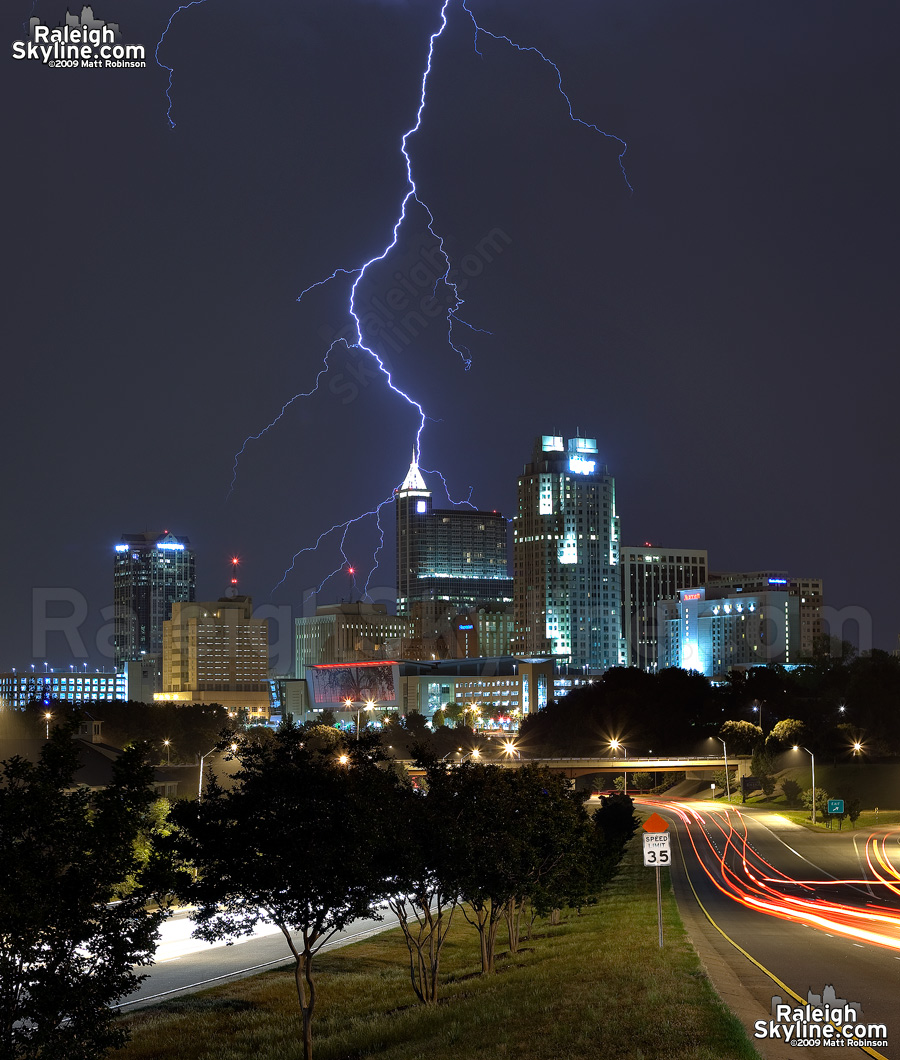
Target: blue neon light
579,466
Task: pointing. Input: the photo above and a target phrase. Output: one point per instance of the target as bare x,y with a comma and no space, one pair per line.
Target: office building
650,574
346,633
151,572
714,631
453,556
216,652
484,632
17,690
568,592
808,592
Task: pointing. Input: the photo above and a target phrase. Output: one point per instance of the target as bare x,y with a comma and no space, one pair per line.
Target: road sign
835,806
657,849
655,823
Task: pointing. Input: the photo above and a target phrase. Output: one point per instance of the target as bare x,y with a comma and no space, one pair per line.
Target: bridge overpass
694,766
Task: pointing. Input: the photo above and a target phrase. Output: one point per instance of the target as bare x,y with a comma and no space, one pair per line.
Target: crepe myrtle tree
70,935
515,832
425,891
298,841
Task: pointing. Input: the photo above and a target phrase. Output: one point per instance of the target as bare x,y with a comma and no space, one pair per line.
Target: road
791,911
184,964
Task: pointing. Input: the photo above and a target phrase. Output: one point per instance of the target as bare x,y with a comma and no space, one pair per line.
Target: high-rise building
650,574
453,555
808,592
568,594
150,573
216,652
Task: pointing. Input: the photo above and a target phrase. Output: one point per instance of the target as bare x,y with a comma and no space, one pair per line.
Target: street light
727,782
168,753
813,757
510,749
202,757
615,745
47,717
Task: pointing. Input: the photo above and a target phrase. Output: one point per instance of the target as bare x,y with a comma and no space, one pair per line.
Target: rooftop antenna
233,587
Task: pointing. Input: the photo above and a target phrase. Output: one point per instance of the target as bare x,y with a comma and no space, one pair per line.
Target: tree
762,767
596,859
66,952
514,830
791,791
299,842
787,733
741,737
425,894
821,800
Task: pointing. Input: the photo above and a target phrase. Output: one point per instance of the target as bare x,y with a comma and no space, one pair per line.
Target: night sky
728,332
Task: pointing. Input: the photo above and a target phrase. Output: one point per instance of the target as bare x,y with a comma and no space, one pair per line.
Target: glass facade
151,572
457,556
568,594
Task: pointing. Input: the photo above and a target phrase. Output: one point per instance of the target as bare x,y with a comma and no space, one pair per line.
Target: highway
184,964
791,911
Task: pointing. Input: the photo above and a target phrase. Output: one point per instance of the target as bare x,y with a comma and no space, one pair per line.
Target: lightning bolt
358,274
559,83
160,63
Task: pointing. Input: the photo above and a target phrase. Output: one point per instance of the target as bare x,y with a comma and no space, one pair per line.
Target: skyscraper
567,590
650,574
150,572
453,555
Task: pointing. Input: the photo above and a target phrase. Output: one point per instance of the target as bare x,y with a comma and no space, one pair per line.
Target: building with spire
455,556
568,592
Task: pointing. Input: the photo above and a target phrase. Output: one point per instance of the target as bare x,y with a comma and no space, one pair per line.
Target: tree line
837,701
309,835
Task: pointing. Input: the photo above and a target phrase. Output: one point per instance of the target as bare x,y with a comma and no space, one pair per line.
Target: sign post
657,853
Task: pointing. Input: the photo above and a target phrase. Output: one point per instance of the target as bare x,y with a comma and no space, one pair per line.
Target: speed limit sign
657,849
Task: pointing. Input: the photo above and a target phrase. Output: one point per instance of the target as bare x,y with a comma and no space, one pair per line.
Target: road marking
865,1048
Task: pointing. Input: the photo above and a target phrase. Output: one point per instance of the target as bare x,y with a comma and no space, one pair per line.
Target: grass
596,987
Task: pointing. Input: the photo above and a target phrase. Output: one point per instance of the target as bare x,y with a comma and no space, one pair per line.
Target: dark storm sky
728,332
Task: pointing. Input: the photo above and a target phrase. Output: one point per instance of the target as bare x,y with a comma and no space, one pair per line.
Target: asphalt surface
184,964
732,874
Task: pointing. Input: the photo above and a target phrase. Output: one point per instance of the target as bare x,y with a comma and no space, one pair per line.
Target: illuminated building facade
150,573
713,631
347,633
568,592
484,632
651,574
507,686
808,591
457,556
216,652
17,690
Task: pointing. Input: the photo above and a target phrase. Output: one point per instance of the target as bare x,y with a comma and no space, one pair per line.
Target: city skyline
725,331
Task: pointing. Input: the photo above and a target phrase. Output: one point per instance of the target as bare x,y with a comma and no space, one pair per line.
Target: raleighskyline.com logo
826,1020
81,42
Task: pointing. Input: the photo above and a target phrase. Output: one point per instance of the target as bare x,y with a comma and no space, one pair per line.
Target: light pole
47,717
615,745
200,784
202,757
727,782
813,757
168,753
370,705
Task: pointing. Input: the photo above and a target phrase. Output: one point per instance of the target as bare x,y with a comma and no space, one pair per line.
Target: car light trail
723,850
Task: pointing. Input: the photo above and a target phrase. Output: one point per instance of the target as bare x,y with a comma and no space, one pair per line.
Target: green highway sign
835,806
